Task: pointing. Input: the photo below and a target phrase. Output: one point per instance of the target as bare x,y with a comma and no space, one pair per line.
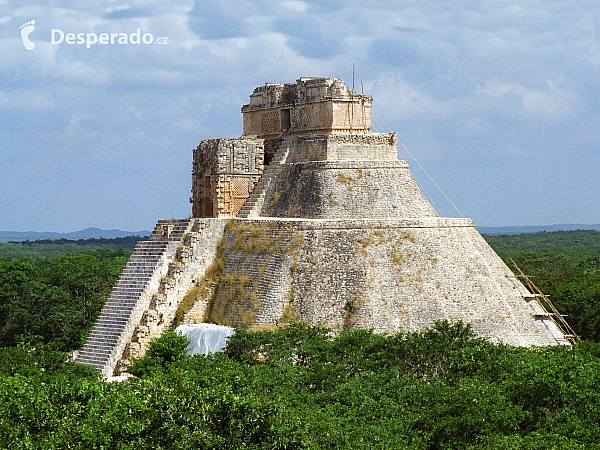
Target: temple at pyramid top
310,105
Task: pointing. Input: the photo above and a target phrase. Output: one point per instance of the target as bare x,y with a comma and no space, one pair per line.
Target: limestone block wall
188,262
389,275
352,116
344,189
333,147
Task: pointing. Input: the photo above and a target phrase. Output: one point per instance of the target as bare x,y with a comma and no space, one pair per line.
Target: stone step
142,263
141,266
137,291
151,244
98,364
94,354
129,287
100,345
172,221
91,360
136,272
99,350
117,314
118,297
113,322
122,309
108,325
108,333
102,342
124,305
116,325
132,279
122,300
148,254
141,282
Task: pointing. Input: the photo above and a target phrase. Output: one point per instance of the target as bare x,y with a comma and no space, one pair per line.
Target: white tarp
205,338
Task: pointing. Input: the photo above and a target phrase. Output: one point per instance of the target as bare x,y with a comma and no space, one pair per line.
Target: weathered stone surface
346,189
145,300
340,147
389,275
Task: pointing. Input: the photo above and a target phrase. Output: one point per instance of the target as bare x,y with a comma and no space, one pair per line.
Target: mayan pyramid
311,216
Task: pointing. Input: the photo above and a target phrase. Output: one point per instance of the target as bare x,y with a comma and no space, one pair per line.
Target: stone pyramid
338,233
311,216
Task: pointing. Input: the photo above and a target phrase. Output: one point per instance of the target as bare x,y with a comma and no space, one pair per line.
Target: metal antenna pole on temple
352,99
362,105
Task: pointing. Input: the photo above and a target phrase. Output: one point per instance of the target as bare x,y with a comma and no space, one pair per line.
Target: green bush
55,301
162,351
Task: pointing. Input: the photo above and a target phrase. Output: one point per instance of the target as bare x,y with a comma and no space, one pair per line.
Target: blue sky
499,101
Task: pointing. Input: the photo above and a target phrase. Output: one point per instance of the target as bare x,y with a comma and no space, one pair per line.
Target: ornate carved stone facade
224,174
311,105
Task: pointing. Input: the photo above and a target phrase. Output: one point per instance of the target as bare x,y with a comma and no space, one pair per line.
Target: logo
26,30
89,39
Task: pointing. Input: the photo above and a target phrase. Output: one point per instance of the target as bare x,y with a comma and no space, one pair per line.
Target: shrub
162,351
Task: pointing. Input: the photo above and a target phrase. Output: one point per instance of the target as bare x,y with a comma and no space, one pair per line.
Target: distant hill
536,228
88,233
97,233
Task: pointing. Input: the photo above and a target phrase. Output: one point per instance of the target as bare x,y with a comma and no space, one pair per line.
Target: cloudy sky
498,101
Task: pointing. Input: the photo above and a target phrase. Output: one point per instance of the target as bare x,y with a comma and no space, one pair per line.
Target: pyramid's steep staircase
131,296
253,205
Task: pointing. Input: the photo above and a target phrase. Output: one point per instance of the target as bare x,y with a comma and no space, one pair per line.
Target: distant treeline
54,248
587,240
566,266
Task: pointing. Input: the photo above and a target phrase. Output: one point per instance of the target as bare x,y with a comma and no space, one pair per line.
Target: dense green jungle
297,386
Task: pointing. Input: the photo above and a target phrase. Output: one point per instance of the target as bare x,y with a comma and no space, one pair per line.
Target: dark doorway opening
284,118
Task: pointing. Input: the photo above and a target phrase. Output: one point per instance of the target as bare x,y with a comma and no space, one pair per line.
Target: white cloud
295,5
396,98
136,112
34,100
552,104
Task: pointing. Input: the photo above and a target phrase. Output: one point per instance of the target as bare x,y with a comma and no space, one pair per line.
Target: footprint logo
26,30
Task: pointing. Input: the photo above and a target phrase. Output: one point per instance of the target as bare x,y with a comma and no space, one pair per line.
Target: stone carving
311,105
